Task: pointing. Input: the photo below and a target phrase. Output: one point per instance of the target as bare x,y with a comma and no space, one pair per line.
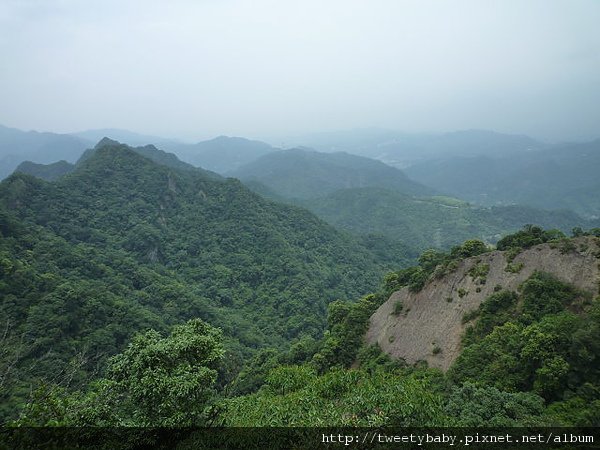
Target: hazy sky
255,68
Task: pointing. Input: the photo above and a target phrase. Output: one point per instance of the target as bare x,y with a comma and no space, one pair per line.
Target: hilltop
431,322
302,173
222,154
48,172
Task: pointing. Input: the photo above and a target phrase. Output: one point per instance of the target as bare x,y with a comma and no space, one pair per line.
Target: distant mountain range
124,136
405,149
563,176
17,146
221,154
51,172
479,166
484,167
303,173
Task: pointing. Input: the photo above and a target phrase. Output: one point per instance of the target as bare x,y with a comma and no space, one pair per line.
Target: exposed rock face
429,327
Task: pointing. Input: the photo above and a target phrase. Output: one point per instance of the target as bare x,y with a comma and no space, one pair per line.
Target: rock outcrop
430,324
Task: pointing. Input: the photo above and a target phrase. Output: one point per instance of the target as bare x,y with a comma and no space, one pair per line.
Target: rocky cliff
428,325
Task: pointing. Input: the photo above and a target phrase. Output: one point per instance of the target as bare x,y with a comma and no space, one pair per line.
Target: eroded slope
430,325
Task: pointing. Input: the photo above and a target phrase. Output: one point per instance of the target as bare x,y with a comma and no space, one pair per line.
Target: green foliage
337,398
542,294
532,342
426,222
581,410
470,405
529,236
472,247
433,263
512,253
287,379
122,245
398,306
372,359
48,172
156,381
514,267
431,258
479,272
255,372
567,246
494,311
347,325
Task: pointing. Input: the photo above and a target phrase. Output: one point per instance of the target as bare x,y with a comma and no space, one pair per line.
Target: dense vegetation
48,172
530,358
140,291
426,222
364,196
123,245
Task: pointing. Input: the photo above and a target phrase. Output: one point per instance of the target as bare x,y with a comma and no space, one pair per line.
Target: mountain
221,154
404,149
426,222
151,152
514,331
17,146
123,244
48,172
433,317
125,136
51,172
563,176
301,173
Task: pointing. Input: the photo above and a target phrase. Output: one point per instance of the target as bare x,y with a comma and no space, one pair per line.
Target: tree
470,405
156,381
471,247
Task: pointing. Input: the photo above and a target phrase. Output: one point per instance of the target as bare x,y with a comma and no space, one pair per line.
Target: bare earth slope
429,319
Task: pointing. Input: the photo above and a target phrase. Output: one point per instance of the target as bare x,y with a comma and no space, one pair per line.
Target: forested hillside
427,222
301,174
563,176
529,353
529,357
365,196
123,244
48,172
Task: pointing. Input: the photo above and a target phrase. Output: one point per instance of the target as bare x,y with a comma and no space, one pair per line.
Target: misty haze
297,214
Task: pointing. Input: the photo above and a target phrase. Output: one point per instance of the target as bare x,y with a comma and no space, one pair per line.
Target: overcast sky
200,68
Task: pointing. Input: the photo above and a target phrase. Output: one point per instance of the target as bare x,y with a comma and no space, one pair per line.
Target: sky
199,68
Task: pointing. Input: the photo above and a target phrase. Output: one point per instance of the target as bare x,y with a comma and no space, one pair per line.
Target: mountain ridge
302,173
